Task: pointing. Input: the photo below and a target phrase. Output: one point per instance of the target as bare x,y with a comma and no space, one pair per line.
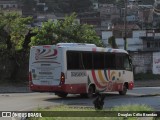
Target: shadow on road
77,100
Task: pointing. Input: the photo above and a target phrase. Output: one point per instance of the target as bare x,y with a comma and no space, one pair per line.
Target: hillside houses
7,4
104,17
140,40
142,24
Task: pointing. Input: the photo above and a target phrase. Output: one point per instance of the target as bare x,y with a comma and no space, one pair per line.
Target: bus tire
124,91
91,91
62,95
83,95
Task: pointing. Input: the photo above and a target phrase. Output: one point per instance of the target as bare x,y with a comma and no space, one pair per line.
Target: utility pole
125,25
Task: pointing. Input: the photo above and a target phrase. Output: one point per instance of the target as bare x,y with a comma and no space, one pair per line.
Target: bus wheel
91,91
83,95
62,95
124,91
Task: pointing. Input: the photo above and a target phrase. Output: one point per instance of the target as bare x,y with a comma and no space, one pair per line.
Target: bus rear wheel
124,91
62,95
91,91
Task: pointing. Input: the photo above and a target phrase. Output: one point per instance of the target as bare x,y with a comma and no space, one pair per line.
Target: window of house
13,6
152,44
148,45
7,6
1,6
156,44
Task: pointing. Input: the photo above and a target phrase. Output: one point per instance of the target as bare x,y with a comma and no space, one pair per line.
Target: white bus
74,68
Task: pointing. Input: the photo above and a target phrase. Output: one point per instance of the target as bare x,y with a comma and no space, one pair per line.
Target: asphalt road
30,101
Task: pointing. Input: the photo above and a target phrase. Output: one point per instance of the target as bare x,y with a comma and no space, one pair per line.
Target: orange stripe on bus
112,74
101,76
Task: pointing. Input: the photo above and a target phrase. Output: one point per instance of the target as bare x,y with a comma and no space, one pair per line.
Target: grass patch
146,76
63,110
135,107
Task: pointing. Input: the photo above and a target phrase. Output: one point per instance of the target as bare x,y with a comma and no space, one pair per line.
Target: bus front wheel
124,91
90,94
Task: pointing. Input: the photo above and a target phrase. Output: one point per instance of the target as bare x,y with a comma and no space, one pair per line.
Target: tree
65,31
112,42
13,31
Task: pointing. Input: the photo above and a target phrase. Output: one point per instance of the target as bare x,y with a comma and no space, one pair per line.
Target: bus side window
110,61
74,60
87,60
120,61
98,60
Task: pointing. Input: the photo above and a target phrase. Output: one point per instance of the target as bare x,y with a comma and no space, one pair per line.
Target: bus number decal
78,74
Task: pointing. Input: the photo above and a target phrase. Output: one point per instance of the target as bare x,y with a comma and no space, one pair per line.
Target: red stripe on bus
67,88
109,74
94,49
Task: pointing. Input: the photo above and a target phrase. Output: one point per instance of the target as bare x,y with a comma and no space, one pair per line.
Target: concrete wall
142,62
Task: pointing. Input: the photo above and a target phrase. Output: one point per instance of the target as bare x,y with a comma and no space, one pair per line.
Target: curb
14,89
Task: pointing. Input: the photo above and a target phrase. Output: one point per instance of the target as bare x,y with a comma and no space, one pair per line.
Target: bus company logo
45,54
78,74
6,114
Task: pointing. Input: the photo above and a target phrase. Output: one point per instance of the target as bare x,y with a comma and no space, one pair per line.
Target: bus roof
88,47
76,45
83,47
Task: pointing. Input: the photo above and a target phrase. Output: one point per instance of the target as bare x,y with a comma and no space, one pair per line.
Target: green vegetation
112,42
146,76
16,38
13,43
135,107
65,31
13,28
92,112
